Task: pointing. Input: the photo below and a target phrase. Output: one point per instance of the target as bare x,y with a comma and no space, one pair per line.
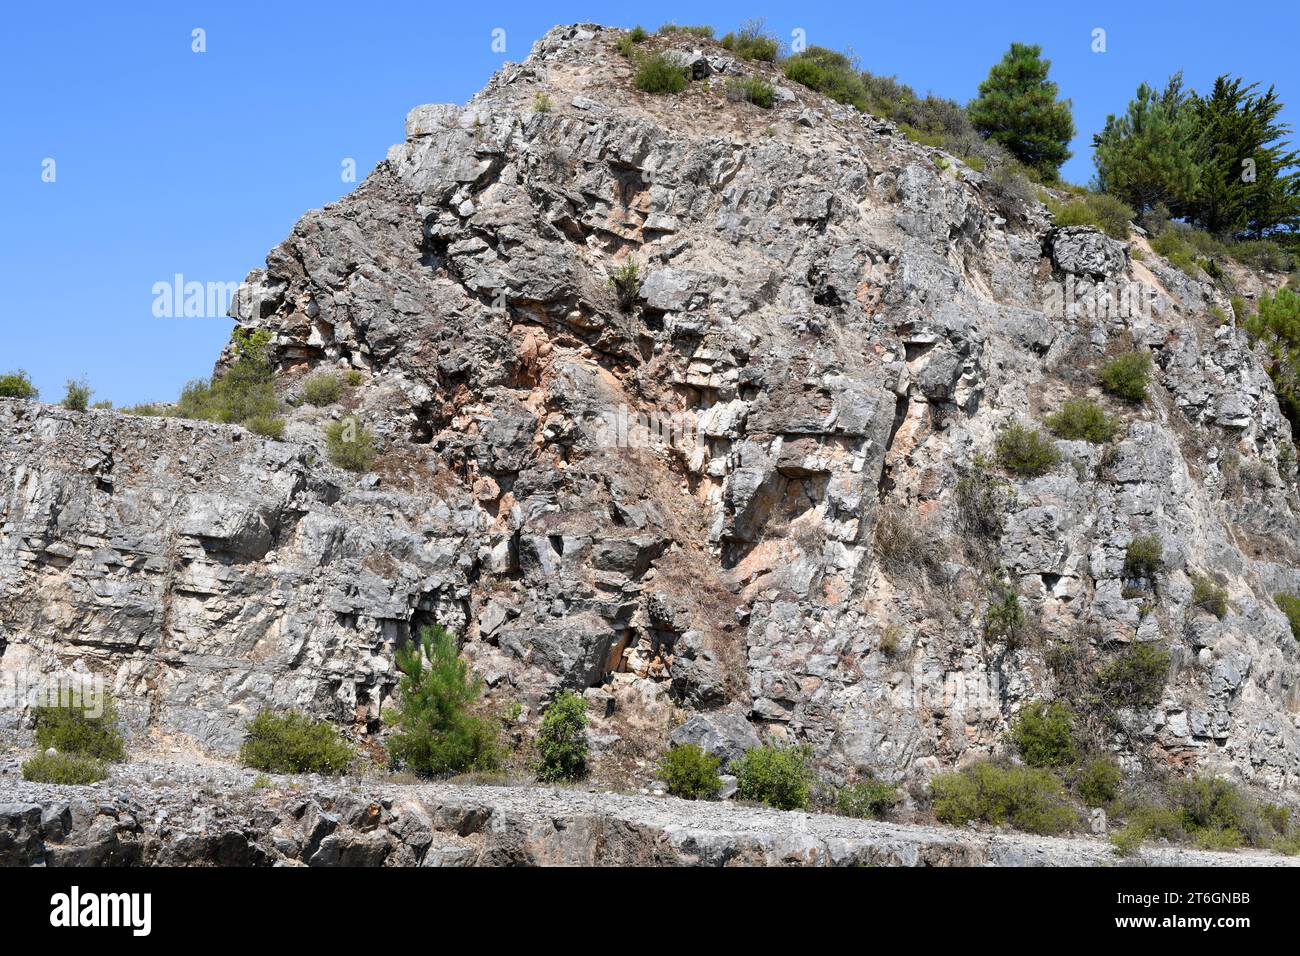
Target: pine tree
1017,107
1150,155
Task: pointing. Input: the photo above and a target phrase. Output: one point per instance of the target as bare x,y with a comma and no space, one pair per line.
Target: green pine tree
1017,107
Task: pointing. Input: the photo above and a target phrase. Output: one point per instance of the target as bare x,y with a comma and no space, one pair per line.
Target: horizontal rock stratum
695,499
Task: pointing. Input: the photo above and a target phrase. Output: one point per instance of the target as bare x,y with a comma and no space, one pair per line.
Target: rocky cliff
740,489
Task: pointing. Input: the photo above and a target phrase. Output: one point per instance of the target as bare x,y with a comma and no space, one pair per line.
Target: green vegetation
266,427
1125,376
753,89
1144,557
867,799
1026,452
17,384
1098,781
1026,798
752,42
1017,107
350,444
77,394
626,283
1135,677
243,393
1044,734
292,742
1005,620
691,773
542,102
777,776
1275,329
1289,605
1083,420
704,32
659,75
1107,213
1209,595
1209,812
434,731
66,769
87,727
562,739
322,388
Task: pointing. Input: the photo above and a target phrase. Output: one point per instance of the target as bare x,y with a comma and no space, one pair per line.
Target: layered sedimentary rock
678,496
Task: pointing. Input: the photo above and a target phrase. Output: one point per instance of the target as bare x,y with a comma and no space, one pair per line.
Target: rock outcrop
684,497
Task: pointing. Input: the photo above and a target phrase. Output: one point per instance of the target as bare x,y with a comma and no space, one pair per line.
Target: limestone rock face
688,489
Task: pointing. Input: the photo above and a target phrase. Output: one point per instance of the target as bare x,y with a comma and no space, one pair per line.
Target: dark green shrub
1209,595
1098,781
17,384
66,769
777,776
1017,107
1289,605
1044,734
243,392
659,75
1106,213
1082,420
434,732
562,739
867,799
1026,798
1275,331
751,42
626,283
292,742
77,395
322,388
753,89
1026,452
830,73
691,773
77,729
1136,676
1126,376
1144,557
350,444
1212,811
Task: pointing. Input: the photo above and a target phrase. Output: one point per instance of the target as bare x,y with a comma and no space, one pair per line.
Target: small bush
751,42
778,777
1044,735
74,729
691,773
1180,253
562,739
542,102
77,395
1026,798
1136,676
1289,605
322,388
1082,420
1144,557
626,283
354,378
867,800
1105,212
242,392
66,769
702,32
434,731
292,742
350,444
1209,595
1146,821
1126,376
753,89
1005,620
17,384
829,73
659,75
1098,781
1026,452
266,427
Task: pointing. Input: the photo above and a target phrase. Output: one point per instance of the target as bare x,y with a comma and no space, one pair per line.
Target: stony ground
207,813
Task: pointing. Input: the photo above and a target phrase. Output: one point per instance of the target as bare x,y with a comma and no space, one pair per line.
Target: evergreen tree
1017,107
1150,155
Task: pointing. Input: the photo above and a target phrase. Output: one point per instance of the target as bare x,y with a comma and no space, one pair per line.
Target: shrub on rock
292,742
691,773
779,777
562,739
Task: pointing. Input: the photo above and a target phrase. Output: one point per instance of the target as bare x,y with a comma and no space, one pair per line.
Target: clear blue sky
169,161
